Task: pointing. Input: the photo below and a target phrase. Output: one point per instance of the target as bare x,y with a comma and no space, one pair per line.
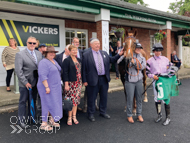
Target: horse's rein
138,68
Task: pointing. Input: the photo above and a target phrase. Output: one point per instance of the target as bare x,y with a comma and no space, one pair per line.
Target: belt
101,75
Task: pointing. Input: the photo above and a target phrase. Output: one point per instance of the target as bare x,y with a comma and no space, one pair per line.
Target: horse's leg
144,83
122,77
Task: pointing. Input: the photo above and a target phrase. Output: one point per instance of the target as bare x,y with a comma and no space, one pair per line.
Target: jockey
157,65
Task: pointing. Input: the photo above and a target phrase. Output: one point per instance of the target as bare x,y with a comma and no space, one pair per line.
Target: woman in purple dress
49,88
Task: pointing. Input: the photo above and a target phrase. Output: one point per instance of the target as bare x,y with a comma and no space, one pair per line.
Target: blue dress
51,102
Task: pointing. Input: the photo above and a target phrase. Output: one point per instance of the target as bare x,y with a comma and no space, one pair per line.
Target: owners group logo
32,127
45,33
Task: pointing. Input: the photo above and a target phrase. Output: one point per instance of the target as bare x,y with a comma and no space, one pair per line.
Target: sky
161,5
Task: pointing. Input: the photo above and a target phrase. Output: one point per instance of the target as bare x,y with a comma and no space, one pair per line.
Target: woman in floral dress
73,82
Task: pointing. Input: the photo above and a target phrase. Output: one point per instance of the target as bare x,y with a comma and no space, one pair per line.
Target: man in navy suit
115,51
95,75
76,43
60,57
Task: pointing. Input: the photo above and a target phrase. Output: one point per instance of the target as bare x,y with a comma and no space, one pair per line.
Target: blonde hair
14,41
72,47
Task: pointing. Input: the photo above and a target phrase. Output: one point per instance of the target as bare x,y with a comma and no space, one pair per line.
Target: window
81,34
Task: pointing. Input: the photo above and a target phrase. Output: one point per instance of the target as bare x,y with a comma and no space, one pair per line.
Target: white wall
32,19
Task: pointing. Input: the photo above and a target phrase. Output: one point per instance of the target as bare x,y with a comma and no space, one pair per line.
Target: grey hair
31,37
94,40
67,46
173,51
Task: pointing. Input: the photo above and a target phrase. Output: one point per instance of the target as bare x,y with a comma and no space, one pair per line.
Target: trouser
178,64
24,96
134,89
85,99
39,109
92,92
116,69
9,75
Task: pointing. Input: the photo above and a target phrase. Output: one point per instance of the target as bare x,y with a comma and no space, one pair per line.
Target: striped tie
34,59
99,64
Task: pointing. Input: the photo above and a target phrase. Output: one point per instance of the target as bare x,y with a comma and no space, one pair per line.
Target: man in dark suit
95,75
76,43
26,64
115,51
60,57
175,59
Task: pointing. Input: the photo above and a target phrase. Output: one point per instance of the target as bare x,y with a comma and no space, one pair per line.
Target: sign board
45,33
105,36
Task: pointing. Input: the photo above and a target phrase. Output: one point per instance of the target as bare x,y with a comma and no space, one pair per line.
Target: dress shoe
23,126
91,118
140,119
8,90
166,122
159,118
130,120
105,116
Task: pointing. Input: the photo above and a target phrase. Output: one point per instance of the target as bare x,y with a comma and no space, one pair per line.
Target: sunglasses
32,43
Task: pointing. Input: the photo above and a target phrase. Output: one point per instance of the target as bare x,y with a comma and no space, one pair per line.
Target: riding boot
158,109
167,110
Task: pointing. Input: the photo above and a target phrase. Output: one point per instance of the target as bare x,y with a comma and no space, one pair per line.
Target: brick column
167,45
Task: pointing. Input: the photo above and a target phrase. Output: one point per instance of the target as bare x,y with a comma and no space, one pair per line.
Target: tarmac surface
114,130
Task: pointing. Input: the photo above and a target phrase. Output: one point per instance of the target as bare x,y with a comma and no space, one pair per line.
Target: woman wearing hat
49,88
157,65
133,83
73,82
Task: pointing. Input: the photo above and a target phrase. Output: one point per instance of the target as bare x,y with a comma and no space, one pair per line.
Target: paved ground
115,130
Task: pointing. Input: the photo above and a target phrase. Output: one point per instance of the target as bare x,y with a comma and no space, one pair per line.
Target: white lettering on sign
139,18
105,36
40,30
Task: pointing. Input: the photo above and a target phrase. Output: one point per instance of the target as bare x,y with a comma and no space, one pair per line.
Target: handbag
67,104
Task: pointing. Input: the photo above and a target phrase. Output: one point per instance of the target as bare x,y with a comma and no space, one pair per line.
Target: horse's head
130,44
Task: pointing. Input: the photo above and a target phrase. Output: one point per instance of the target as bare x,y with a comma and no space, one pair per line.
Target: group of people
59,76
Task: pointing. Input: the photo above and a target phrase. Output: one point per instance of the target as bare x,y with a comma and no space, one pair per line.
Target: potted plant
119,32
187,38
160,35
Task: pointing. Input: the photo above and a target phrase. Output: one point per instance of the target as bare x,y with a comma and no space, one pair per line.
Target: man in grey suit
26,65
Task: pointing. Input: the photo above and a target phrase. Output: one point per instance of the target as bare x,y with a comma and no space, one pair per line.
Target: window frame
78,30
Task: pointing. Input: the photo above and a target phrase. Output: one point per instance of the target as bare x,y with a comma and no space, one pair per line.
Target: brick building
86,19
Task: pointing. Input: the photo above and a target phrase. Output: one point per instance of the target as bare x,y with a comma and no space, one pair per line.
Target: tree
180,7
139,2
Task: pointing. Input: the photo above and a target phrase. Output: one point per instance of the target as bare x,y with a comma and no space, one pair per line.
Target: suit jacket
59,58
69,70
25,66
80,52
89,71
115,49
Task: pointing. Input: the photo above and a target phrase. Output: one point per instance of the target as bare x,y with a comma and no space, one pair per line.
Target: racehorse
129,49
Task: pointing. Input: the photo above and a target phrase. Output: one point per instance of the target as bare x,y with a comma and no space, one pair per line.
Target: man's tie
34,59
99,63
